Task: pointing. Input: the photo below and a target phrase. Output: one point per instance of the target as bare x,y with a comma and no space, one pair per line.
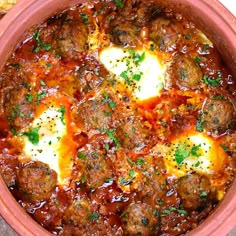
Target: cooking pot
209,15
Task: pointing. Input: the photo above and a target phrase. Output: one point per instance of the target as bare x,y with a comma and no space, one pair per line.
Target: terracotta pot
209,15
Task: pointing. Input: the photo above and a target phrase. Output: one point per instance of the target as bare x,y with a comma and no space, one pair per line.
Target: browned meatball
77,213
139,219
93,162
8,168
19,107
185,73
71,40
126,34
36,181
217,114
194,191
155,185
92,115
132,133
164,34
139,12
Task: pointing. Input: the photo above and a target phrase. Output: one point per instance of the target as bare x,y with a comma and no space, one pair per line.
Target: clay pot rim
23,223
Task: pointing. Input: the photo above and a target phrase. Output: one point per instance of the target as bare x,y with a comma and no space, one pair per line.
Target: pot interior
211,18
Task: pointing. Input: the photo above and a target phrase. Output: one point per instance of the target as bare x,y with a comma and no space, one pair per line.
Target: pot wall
208,15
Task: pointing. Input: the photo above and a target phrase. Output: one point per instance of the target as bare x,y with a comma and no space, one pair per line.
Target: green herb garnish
40,43
94,216
62,110
33,135
211,81
119,3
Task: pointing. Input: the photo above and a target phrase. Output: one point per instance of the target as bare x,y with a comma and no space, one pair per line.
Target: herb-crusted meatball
8,165
19,107
92,115
194,191
126,34
78,212
185,73
163,33
132,133
140,219
217,114
71,39
36,181
94,163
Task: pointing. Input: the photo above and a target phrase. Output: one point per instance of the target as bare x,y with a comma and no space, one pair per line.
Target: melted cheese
139,70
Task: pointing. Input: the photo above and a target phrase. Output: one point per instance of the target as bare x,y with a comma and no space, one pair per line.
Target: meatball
139,12
217,114
92,115
93,162
194,191
185,73
139,219
155,185
126,34
229,141
164,34
132,133
18,107
77,213
36,181
8,168
71,40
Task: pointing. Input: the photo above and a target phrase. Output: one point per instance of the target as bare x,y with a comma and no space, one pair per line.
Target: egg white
120,61
208,157
55,146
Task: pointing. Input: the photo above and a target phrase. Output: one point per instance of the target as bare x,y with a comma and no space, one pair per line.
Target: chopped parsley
42,82
108,180
188,36
107,99
124,182
224,147
107,146
29,97
218,97
40,43
140,161
94,216
206,47
198,59
203,194
62,110
199,125
171,209
181,154
138,58
131,173
85,18
33,135
195,149
40,95
119,3
183,151
110,134
81,155
137,77
211,81
125,76
14,132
